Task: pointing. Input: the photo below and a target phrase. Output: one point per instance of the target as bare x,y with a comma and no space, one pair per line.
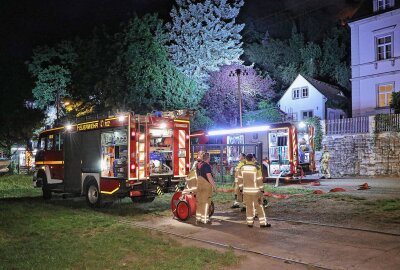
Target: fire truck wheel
183,210
211,210
93,195
45,187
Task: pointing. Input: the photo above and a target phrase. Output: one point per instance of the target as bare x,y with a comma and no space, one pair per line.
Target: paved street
309,246
330,248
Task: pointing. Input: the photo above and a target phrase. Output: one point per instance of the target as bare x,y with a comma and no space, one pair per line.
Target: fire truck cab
105,157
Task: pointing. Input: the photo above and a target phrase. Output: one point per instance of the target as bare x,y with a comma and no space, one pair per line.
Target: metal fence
347,125
387,122
224,158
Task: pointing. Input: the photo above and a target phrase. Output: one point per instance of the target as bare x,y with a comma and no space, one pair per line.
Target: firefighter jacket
325,156
250,178
237,169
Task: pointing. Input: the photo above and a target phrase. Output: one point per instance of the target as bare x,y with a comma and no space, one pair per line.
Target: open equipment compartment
114,152
161,147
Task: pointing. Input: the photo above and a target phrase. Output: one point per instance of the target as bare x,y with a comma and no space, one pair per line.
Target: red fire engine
287,148
114,156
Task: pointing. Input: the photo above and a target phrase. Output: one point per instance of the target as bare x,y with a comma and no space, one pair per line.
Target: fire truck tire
45,187
93,195
143,199
183,211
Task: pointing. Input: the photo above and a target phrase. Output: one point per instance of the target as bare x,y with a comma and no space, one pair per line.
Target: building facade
307,97
375,56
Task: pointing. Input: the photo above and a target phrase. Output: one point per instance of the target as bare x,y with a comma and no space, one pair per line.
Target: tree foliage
222,99
267,113
51,68
17,118
285,59
141,77
204,36
395,103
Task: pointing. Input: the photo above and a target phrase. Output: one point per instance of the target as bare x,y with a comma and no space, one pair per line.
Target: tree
395,103
88,77
204,36
51,68
335,57
267,113
221,100
18,119
285,59
142,77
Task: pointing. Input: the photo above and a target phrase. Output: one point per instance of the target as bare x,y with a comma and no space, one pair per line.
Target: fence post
323,127
371,124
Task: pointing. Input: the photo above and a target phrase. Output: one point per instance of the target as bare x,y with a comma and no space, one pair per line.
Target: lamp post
238,73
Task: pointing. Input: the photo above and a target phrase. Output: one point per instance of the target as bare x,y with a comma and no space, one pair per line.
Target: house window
385,94
307,114
296,93
383,47
383,4
304,92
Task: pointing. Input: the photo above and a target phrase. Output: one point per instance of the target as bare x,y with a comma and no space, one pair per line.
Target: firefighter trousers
254,203
203,200
325,169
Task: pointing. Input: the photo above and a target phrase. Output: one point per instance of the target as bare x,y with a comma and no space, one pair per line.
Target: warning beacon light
237,130
121,118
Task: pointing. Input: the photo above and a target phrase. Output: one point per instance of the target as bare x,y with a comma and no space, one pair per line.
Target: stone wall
369,154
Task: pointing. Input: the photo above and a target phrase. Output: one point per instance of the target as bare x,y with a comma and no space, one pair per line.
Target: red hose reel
183,206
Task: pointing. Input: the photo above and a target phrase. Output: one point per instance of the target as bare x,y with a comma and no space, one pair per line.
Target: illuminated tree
204,36
142,77
51,68
221,101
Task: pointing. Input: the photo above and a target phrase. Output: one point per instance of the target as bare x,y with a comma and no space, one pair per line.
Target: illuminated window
385,94
296,93
304,92
383,47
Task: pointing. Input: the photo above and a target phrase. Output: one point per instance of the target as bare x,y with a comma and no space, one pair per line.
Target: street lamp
238,73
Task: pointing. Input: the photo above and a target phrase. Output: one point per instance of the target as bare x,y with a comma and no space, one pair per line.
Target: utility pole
57,105
238,73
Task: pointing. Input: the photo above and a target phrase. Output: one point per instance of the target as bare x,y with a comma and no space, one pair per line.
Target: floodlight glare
237,130
68,127
302,125
121,118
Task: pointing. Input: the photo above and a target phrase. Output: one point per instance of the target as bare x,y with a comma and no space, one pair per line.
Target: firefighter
205,187
325,163
191,180
251,182
238,193
198,159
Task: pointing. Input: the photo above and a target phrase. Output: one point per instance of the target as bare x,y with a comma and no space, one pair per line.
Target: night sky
25,24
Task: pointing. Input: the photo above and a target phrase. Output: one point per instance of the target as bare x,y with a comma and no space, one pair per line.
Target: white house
307,97
375,56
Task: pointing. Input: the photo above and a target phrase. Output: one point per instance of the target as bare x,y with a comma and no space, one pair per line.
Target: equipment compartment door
72,162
